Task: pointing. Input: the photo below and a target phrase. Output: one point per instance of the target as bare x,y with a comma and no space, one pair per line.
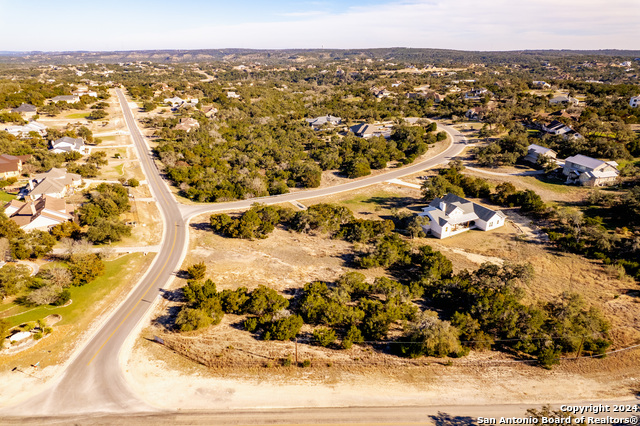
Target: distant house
365,130
233,95
475,113
70,99
33,126
43,213
451,215
26,110
535,151
634,102
556,128
56,183
83,91
187,124
563,99
476,94
425,95
174,102
589,171
68,144
11,166
542,84
209,111
323,120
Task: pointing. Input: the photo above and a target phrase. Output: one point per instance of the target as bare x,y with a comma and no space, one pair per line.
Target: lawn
83,297
6,197
78,115
89,303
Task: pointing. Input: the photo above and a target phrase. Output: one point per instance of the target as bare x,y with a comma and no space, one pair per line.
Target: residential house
589,171
634,102
541,84
563,99
556,128
43,213
187,124
174,102
83,91
476,113
209,111
380,92
451,215
56,183
426,95
68,144
476,94
318,122
233,95
535,151
70,99
11,165
26,110
365,130
21,131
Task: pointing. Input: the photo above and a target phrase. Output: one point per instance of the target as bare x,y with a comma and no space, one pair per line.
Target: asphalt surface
458,145
94,381
93,384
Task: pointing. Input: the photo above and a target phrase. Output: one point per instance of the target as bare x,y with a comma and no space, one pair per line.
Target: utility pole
296,340
580,348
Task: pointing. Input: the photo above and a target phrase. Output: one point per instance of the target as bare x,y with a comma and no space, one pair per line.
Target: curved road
93,381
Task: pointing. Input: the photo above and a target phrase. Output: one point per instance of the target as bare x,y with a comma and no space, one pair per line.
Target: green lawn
83,297
554,186
119,169
6,197
78,115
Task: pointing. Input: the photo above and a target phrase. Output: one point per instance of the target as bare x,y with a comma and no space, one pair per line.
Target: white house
55,183
365,130
233,95
32,126
634,102
542,84
451,215
534,151
70,99
556,128
564,99
321,121
43,213
589,171
68,144
174,102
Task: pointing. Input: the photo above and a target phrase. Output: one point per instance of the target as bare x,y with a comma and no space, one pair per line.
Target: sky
70,25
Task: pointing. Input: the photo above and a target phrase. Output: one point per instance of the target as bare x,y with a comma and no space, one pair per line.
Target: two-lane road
93,380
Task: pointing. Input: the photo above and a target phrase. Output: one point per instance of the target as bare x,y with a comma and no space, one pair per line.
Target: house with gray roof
589,171
451,215
70,99
365,130
535,151
68,144
23,131
26,110
318,122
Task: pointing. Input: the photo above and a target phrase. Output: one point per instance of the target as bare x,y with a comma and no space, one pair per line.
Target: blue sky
198,24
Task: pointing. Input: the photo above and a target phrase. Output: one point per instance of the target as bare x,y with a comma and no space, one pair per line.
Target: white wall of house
42,223
495,222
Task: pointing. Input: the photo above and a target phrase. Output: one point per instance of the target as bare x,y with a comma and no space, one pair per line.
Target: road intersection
93,380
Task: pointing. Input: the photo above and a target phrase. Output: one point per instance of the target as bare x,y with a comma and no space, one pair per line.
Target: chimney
33,209
442,206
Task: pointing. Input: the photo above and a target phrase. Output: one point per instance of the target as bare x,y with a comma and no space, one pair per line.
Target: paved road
457,146
93,381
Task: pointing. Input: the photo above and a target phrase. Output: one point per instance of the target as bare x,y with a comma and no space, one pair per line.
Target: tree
431,337
197,271
133,182
265,300
86,268
190,319
285,328
324,336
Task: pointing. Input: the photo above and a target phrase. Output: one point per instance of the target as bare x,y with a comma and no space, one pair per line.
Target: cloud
460,24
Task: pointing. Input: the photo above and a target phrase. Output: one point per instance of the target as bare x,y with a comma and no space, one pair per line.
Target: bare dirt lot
246,372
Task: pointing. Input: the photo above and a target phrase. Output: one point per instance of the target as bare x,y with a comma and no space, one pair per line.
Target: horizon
498,26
